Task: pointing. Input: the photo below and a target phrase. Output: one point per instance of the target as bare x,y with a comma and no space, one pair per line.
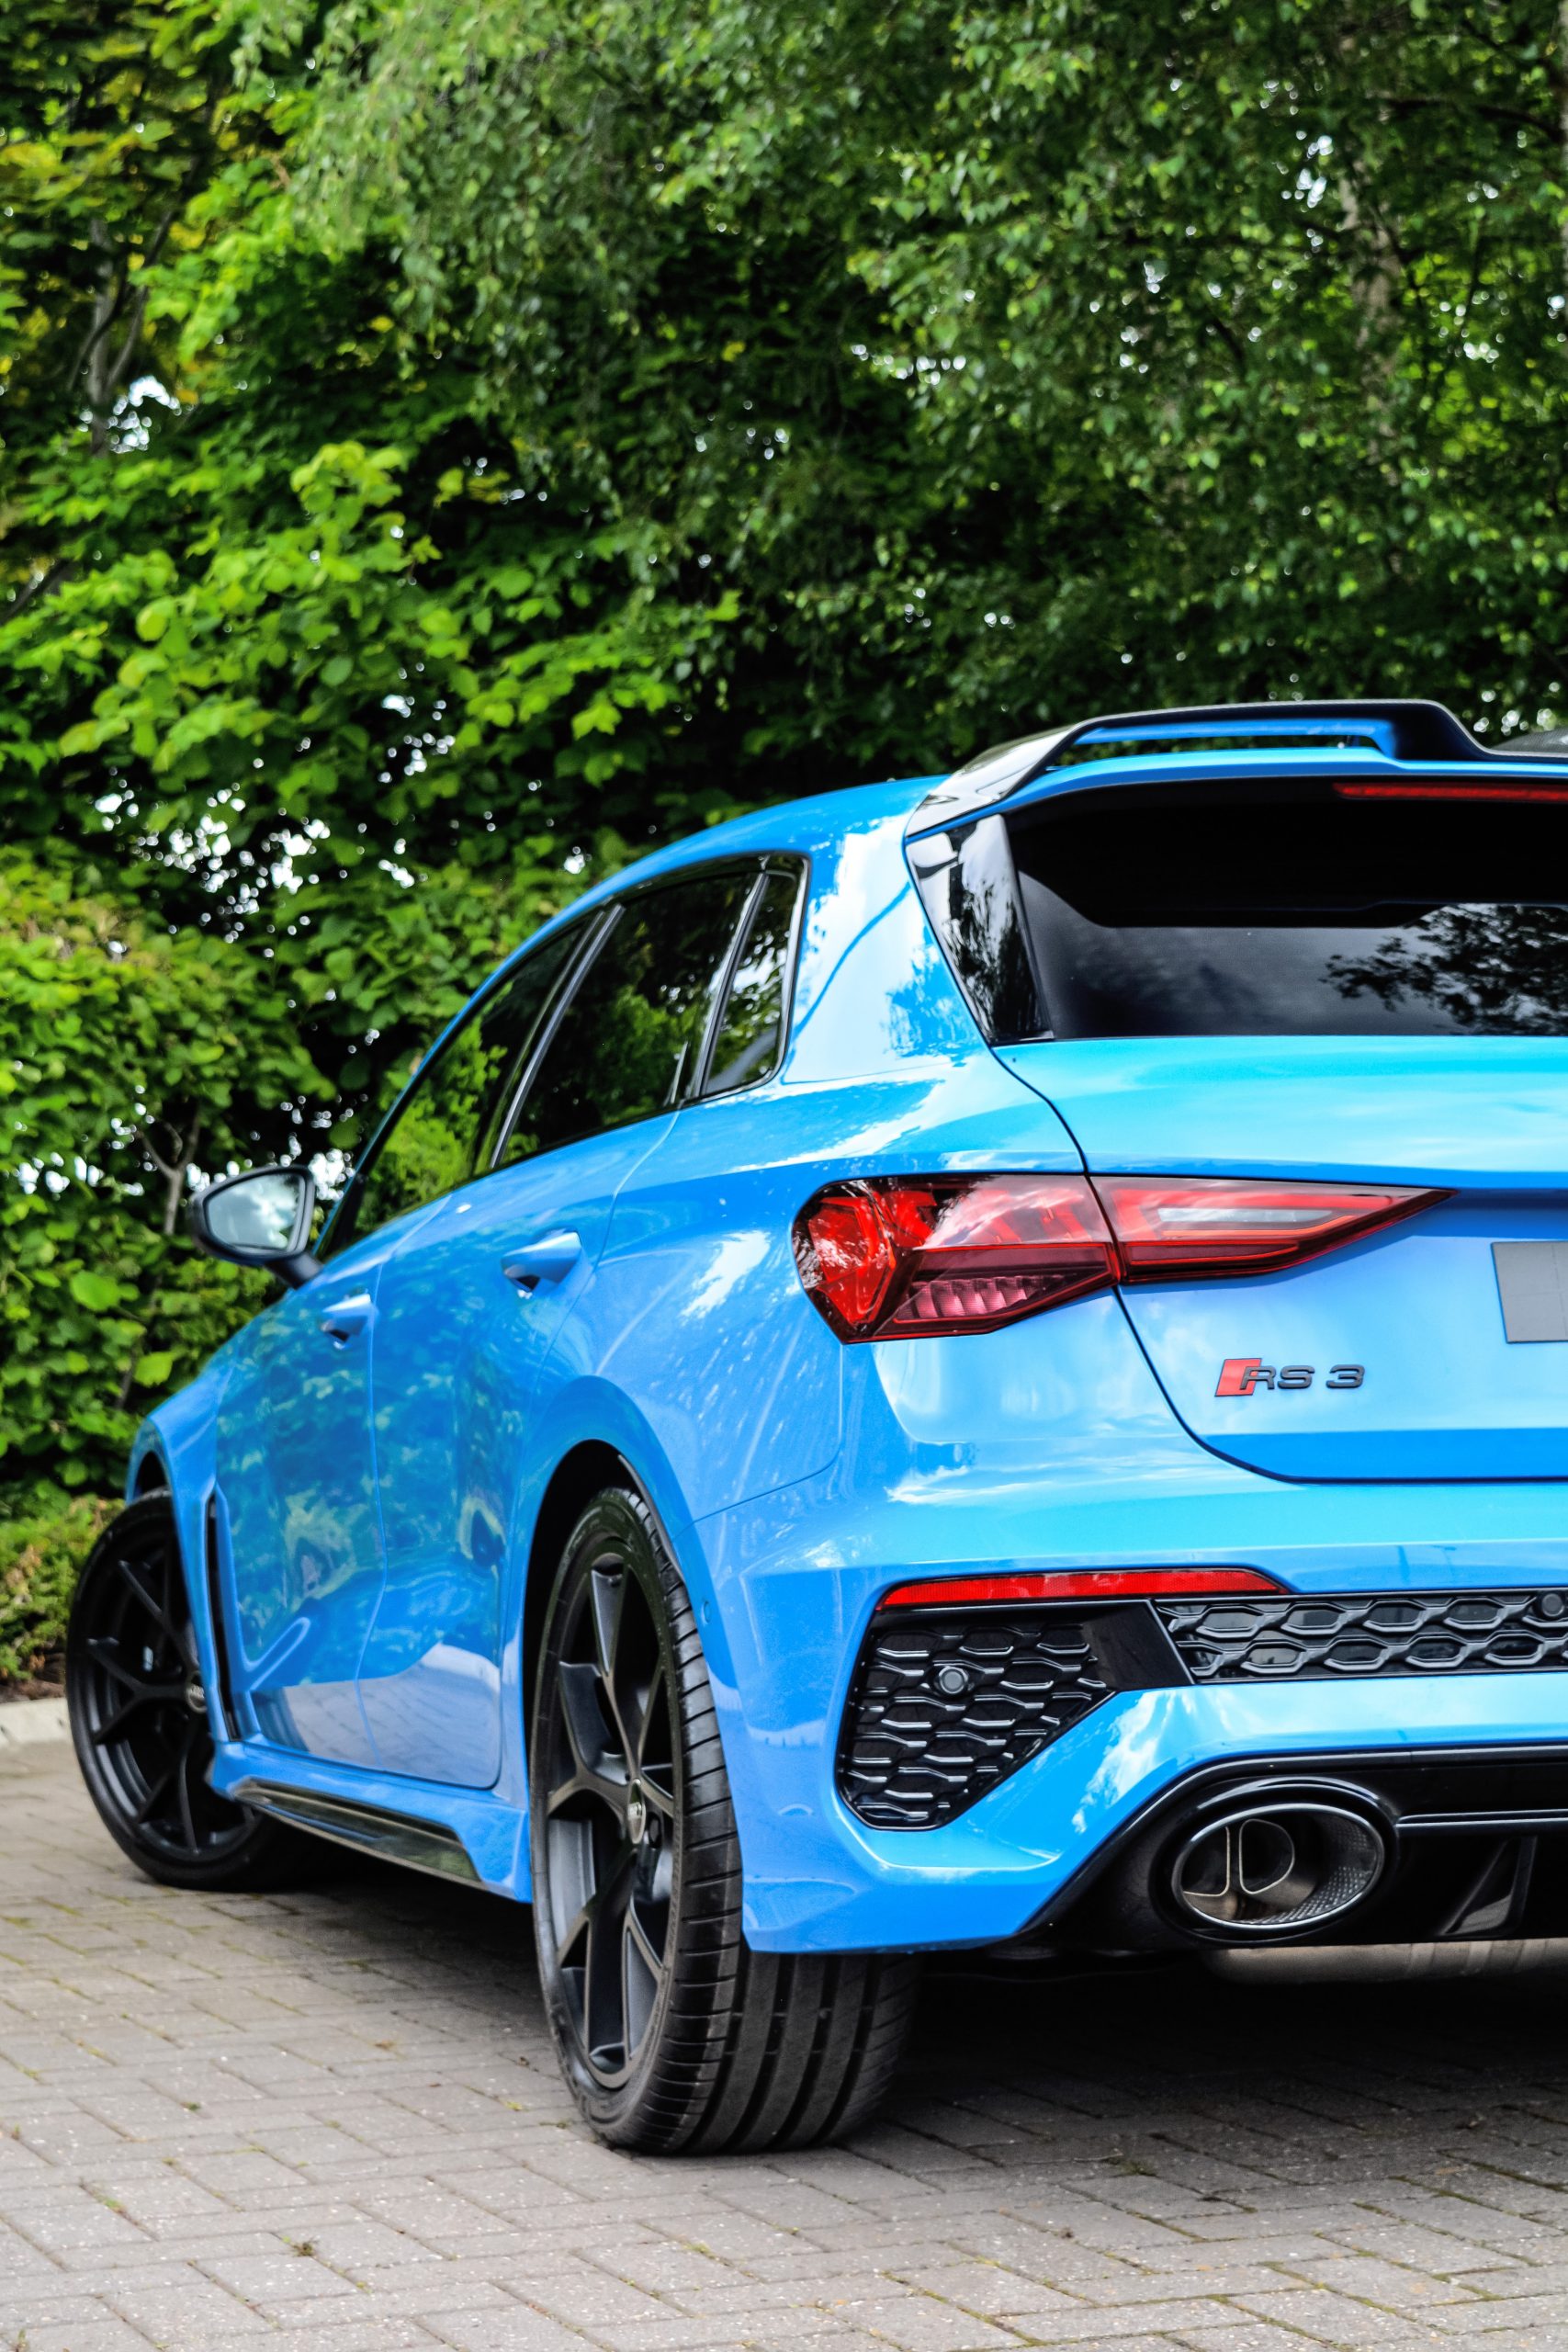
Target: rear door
1325,988
474,1303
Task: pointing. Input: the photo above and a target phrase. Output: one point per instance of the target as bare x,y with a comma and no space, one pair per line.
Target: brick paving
331,2119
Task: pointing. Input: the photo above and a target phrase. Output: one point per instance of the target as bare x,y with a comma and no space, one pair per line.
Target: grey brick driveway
331,2119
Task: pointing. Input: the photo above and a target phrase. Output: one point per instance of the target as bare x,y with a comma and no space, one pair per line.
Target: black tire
673,2033
138,1718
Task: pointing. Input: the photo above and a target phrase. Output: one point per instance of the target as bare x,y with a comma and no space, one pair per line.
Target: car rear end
1197,1553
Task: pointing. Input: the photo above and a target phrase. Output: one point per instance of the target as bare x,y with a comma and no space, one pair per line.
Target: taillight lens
1179,1227
899,1258
893,1258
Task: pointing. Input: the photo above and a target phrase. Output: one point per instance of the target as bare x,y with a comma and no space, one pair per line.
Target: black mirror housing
261,1218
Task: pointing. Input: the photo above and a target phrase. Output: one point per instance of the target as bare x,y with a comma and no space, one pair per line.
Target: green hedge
45,1535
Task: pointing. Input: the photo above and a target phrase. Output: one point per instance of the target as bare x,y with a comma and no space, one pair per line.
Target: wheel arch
577,1476
149,1476
586,1468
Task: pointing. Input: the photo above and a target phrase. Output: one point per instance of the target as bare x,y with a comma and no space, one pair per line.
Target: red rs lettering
1239,1375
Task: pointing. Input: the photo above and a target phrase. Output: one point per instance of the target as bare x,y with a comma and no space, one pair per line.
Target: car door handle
537,1262
346,1317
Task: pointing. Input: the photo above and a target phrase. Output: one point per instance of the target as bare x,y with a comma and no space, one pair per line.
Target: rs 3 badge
1244,1376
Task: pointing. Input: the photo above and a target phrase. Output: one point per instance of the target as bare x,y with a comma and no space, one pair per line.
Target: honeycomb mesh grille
945,1704
1348,1635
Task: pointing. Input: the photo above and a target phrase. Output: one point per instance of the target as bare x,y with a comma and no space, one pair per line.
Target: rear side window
748,1041
627,1043
1304,914
439,1134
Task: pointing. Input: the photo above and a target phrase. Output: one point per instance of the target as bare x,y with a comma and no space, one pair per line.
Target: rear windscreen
1226,910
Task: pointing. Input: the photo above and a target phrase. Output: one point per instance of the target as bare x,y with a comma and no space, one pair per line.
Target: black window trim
606,919
1003,969
692,1081
597,924
797,869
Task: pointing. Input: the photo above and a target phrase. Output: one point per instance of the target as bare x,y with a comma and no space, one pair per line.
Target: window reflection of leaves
428,1151
634,1029
748,1043
1499,969
634,1057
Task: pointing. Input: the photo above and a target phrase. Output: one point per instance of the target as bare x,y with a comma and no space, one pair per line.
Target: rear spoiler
1418,733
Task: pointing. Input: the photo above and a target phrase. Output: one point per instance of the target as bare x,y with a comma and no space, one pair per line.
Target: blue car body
412,1468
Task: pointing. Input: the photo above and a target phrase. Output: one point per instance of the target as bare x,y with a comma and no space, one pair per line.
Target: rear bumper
794,1576
819,1879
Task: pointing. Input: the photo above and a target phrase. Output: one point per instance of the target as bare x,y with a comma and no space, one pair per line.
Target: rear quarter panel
697,1311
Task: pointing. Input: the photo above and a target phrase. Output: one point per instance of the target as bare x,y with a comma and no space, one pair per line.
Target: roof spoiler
1423,732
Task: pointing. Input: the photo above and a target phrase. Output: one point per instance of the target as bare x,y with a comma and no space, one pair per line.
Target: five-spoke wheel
138,1713
610,1822
672,2032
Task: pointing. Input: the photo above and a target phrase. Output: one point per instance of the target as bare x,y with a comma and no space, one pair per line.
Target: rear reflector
1078,1584
902,1257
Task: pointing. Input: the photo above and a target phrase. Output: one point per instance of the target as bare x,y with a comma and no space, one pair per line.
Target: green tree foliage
1010,361
43,1540
309,711
446,443
144,1054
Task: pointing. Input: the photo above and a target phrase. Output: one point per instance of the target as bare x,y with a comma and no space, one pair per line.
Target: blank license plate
1532,1277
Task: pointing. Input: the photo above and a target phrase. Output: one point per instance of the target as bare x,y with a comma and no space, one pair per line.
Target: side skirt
395,1836
384,1813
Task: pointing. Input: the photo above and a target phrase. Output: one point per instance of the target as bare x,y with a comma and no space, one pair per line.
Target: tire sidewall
620,1521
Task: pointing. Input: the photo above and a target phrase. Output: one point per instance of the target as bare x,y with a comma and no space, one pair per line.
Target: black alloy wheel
139,1716
609,1820
671,2031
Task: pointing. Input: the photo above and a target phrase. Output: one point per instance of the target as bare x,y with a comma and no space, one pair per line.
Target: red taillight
1172,1226
1078,1584
893,1258
899,1258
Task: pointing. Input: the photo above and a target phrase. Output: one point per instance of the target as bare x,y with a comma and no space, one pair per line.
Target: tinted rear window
1225,911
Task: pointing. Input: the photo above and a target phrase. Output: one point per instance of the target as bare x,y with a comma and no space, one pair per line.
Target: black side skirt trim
371,1829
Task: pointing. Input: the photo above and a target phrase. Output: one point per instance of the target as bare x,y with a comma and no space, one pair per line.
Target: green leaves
97,1293
45,1534
129,1058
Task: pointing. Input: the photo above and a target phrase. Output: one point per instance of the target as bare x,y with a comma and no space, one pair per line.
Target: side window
748,1044
433,1142
628,1041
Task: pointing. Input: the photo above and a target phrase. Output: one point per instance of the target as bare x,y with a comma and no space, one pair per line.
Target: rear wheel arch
577,1477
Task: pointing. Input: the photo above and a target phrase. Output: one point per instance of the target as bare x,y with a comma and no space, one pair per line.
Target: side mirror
261,1218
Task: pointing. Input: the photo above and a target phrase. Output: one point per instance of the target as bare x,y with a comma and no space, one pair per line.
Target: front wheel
139,1717
671,2031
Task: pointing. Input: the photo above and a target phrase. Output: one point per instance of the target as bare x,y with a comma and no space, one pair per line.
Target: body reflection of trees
1497,969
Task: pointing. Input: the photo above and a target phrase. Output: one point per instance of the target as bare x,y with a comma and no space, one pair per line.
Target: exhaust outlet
1269,1869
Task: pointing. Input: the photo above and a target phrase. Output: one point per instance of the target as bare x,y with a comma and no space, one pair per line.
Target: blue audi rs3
967,1363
